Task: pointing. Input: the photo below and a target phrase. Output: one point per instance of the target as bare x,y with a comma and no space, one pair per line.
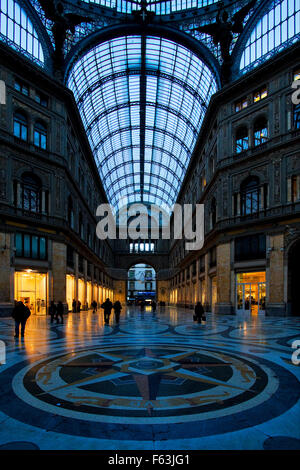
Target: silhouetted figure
74,306
107,306
142,305
117,309
78,306
199,312
20,314
94,305
52,311
153,305
62,22
60,312
221,33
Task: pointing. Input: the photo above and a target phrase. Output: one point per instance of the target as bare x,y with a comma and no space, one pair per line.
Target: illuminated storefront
31,289
203,291
213,293
81,292
251,292
89,294
95,293
70,290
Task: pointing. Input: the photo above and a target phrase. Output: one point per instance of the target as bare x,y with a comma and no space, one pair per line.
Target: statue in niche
222,33
62,23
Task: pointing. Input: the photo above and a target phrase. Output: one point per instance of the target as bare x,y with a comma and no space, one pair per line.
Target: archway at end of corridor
141,284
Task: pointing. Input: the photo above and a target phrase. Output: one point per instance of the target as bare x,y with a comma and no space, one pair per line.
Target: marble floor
153,381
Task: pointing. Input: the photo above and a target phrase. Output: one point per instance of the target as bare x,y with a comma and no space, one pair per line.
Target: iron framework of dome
143,76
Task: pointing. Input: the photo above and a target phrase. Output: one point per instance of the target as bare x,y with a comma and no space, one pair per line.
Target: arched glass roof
277,29
160,7
17,30
142,101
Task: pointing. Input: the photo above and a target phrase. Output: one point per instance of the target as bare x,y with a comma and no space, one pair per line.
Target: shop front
251,292
70,290
89,294
213,293
31,289
81,292
95,293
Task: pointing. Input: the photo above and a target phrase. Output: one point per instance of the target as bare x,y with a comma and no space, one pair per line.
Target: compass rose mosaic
149,385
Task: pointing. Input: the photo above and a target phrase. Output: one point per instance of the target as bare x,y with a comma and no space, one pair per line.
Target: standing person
20,314
94,305
153,305
52,310
199,312
78,306
60,312
74,306
107,306
142,305
117,309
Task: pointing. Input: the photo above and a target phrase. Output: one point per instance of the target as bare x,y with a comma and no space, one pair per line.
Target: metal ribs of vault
143,90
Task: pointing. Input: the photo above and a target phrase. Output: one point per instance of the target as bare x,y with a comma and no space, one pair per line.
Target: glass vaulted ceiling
142,101
160,7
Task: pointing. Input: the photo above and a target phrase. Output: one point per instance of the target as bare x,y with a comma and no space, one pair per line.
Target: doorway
251,293
141,284
31,289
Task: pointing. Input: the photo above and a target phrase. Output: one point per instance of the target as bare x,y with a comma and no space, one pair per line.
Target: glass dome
142,101
159,7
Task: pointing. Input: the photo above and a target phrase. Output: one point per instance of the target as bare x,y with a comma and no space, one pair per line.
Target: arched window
296,116
241,140
20,126
80,225
17,30
31,192
213,212
40,135
88,235
277,29
70,212
250,196
260,130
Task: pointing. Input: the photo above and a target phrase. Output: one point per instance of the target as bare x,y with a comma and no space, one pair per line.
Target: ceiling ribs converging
142,100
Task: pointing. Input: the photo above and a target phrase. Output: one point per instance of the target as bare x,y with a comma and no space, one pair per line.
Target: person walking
107,306
52,310
153,305
74,306
117,309
20,314
94,305
78,306
199,312
60,312
142,305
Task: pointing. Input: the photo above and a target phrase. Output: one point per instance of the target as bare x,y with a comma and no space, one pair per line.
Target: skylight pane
106,84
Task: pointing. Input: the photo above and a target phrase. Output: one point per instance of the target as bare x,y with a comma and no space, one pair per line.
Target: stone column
85,284
76,275
59,263
224,304
197,286
162,291
6,304
120,290
275,304
206,287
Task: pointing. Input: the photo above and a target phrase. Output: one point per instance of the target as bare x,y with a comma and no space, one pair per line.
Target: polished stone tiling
153,381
